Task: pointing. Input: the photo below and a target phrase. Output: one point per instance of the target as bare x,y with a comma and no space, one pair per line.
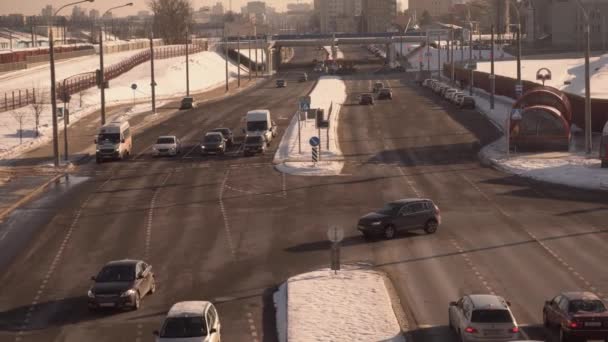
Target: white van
113,141
259,123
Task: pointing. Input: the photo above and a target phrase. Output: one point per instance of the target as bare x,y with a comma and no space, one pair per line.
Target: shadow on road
354,240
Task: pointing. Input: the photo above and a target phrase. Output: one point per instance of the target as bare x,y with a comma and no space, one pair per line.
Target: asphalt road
229,229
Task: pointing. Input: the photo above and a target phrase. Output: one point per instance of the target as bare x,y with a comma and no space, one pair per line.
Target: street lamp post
588,136
53,85
101,68
187,63
519,92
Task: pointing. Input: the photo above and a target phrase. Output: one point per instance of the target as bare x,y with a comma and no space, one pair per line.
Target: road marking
284,185
191,150
225,216
252,329
25,322
142,152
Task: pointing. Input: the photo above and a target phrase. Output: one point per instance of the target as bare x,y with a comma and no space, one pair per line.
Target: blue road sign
304,103
314,141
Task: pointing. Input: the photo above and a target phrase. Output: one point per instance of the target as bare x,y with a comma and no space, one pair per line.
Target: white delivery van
113,141
259,123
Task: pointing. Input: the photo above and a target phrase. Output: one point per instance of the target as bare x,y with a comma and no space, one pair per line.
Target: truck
259,122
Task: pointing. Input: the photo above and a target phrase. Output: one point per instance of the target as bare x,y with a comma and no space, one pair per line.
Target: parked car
427,82
227,134
121,283
404,214
213,142
377,86
255,144
580,315
303,77
190,321
483,317
454,97
281,83
187,103
366,99
449,93
467,102
167,145
385,93
443,89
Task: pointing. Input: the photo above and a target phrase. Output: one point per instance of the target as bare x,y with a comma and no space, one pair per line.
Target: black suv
404,214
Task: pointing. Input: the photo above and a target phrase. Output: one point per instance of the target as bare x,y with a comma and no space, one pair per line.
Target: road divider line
225,216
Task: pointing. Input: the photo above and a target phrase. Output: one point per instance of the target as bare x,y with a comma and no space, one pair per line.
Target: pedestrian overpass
272,45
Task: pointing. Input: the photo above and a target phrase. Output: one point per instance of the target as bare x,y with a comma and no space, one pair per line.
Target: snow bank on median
330,91
339,53
353,305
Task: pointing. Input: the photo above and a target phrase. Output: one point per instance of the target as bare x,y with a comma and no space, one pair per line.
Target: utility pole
428,54
249,53
263,53
238,56
187,63
226,56
439,56
588,128
492,76
153,82
101,79
471,58
53,99
452,55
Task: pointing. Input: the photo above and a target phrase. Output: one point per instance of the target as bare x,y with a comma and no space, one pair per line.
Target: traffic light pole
101,80
153,82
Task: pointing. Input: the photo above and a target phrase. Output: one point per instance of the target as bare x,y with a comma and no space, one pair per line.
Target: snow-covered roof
188,308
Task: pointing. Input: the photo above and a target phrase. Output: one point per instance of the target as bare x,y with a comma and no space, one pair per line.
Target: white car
457,97
449,92
190,321
167,145
483,317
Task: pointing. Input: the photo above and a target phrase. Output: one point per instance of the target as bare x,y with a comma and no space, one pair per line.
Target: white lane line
191,150
142,152
225,216
547,249
252,329
151,216
284,185
25,322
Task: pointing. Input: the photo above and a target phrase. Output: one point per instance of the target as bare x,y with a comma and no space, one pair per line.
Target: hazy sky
30,7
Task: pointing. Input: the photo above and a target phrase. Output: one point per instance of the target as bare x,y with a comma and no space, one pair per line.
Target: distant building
217,9
258,10
107,16
94,14
435,8
378,15
78,13
144,14
12,20
47,11
297,7
337,15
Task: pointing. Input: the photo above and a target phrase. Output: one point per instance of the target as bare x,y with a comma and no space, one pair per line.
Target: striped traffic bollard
315,154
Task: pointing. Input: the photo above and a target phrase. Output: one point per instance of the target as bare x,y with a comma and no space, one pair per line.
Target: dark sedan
227,133
121,284
213,142
577,315
405,214
366,99
385,93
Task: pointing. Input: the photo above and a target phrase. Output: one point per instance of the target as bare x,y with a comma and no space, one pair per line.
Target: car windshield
586,305
223,131
213,138
257,126
116,273
390,208
165,141
109,137
182,327
491,316
253,140
384,91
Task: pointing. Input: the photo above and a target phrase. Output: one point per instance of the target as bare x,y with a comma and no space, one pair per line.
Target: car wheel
137,302
153,287
430,227
389,232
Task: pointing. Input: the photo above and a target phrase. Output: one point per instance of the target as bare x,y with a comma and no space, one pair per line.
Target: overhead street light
518,45
588,137
53,85
101,76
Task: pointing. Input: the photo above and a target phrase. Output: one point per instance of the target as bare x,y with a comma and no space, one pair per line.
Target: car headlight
203,147
376,223
90,294
154,148
127,293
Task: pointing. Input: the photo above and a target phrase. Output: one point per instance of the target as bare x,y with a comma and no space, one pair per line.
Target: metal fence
72,85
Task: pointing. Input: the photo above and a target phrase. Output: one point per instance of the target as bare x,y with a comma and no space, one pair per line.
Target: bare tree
171,18
38,106
19,115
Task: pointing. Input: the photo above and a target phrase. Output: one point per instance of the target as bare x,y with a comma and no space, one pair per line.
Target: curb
28,197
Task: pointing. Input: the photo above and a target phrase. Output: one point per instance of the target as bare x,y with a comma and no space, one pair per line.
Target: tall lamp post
588,140
102,82
518,48
53,85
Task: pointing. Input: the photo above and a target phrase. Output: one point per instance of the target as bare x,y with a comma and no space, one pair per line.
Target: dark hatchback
577,315
366,99
213,142
404,214
227,133
385,93
121,284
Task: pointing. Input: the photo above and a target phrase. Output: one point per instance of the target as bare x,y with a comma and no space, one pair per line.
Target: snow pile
353,305
339,53
170,77
570,70
567,168
329,91
421,57
261,54
405,47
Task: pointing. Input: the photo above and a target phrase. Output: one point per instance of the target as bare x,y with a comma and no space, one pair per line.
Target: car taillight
437,208
471,330
573,325
515,330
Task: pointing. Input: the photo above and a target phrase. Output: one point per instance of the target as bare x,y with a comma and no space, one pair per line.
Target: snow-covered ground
353,305
339,53
478,55
261,53
207,70
405,47
562,70
569,168
329,91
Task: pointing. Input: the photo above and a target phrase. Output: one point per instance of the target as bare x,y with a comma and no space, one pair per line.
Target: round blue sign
314,141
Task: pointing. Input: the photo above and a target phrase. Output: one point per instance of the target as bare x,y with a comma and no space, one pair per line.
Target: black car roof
573,295
410,200
124,262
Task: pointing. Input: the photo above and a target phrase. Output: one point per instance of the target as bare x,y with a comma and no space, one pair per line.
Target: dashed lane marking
225,215
252,328
26,321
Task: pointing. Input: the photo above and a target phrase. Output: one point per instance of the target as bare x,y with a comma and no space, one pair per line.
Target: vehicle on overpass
113,141
190,321
121,284
405,214
258,122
